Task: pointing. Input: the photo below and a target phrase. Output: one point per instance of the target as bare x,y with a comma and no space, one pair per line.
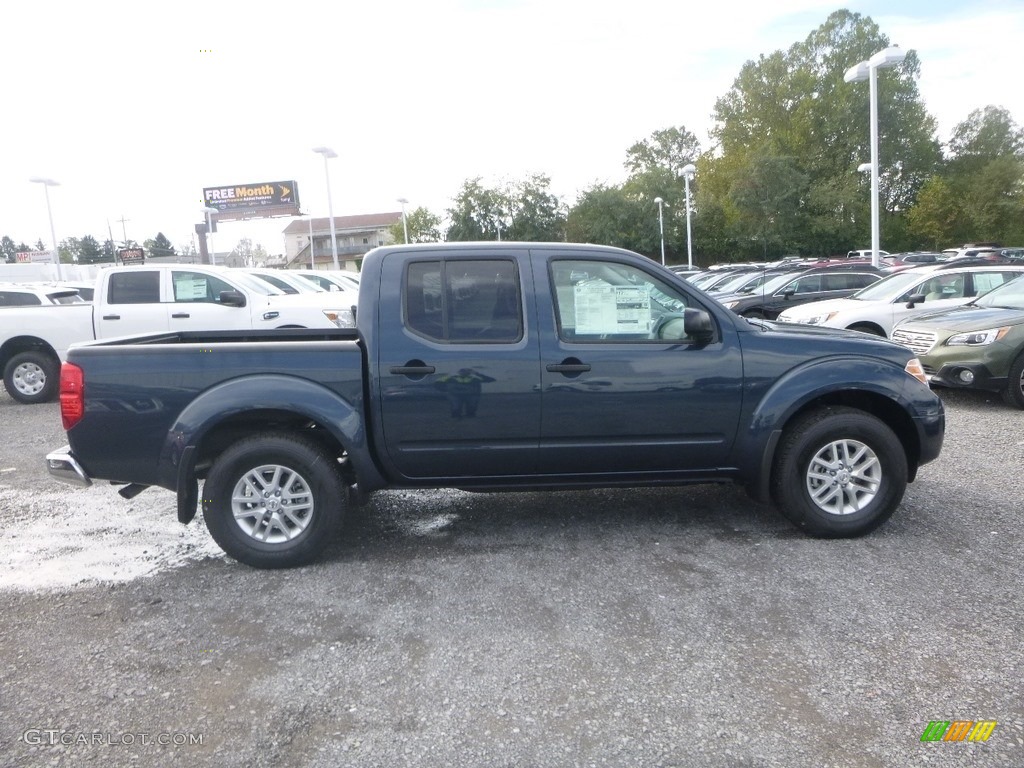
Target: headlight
914,368
343,318
977,338
821,319
730,304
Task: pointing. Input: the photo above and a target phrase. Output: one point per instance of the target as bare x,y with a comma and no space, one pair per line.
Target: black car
789,289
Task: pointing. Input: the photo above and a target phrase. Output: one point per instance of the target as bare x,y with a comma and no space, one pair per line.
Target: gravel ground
683,627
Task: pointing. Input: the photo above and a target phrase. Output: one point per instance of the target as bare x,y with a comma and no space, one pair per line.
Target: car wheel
1014,392
274,501
32,377
839,472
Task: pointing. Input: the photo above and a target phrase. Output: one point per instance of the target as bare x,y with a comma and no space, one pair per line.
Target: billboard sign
34,257
251,201
131,256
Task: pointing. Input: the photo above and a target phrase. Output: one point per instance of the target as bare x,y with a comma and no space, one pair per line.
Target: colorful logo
958,730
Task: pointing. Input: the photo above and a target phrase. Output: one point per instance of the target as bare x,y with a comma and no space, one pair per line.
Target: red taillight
72,395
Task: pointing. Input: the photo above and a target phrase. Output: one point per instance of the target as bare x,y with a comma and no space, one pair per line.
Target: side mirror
917,298
232,298
698,326
789,294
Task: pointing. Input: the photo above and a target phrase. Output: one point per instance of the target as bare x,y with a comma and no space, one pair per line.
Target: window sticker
188,287
608,309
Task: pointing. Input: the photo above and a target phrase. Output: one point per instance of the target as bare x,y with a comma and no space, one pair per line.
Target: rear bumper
62,466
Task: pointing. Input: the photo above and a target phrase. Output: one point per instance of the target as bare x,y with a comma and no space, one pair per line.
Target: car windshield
1009,295
777,281
738,281
255,284
889,287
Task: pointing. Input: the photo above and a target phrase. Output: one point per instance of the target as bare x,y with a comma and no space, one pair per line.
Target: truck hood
969,317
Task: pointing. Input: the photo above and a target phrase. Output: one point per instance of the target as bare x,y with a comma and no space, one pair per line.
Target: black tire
874,330
856,493
32,377
294,473
1014,392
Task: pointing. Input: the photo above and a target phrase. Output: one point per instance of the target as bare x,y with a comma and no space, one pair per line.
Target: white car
37,294
330,279
282,280
879,307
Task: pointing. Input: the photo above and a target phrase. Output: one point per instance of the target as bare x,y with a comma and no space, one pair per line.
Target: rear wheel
839,472
1014,392
274,501
32,377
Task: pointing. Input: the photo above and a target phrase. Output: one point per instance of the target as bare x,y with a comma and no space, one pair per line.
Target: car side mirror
788,294
232,298
917,298
698,326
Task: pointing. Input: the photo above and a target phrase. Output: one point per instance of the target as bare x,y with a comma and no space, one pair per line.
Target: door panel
458,366
614,398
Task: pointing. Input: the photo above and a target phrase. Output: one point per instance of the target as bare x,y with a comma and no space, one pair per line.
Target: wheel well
869,328
235,428
19,344
880,406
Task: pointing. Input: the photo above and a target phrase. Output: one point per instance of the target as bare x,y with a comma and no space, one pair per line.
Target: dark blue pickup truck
498,366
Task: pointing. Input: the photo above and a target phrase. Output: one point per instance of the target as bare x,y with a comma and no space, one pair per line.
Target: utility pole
124,234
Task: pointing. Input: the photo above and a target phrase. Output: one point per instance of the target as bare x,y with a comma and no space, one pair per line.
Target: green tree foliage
606,215
768,196
159,246
424,227
8,249
520,210
796,104
89,251
68,249
936,216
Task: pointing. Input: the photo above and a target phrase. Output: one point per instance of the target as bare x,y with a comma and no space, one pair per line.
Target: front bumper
62,466
966,376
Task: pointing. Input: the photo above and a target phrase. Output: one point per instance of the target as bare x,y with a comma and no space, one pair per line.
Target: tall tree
796,104
159,246
89,251
936,215
423,226
8,249
521,210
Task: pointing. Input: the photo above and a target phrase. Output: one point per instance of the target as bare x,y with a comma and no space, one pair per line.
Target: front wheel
274,501
32,377
1014,392
839,472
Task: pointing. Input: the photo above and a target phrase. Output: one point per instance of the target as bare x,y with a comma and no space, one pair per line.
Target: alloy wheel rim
843,477
272,504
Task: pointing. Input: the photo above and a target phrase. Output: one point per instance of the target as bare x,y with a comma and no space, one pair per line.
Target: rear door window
141,287
464,300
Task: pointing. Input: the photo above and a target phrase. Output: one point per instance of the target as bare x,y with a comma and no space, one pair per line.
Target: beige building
355,235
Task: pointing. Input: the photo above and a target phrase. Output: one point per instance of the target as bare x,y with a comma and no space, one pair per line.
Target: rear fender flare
342,419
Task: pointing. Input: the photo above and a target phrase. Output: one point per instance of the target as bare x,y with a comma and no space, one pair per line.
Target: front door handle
111,317
181,314
569,366
413,369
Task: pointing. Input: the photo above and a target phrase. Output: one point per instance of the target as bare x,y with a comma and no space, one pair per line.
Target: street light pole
329,154
312,261
405,226
688,172
209,211
47,183
661,228
868,70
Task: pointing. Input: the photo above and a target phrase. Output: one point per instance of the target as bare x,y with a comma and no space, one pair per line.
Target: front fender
341,418
875,384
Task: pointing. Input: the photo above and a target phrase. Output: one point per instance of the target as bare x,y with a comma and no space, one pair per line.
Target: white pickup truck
152,298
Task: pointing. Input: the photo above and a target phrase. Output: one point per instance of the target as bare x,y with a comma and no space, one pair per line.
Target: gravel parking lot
669,627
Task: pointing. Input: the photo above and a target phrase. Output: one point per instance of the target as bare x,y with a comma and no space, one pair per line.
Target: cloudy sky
136,107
